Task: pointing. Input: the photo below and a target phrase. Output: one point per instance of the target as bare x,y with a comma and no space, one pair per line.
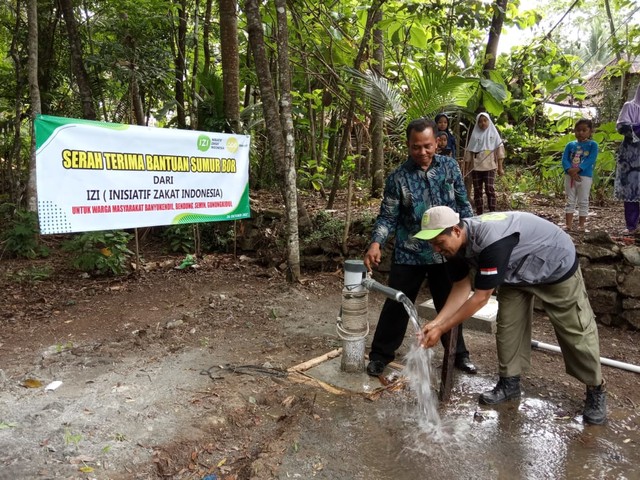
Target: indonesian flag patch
489,271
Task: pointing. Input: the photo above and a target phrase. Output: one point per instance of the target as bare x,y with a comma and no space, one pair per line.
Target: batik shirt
409,192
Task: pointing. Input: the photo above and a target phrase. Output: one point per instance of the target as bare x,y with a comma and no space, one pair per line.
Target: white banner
104,176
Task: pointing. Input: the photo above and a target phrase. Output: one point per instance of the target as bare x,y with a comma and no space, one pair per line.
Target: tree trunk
34,93
206,31
286,107
95,69
624,79
77,60
377,116
193,111
136,100
11,166
179,62
230,63
275,129
346,133
48,24
491,53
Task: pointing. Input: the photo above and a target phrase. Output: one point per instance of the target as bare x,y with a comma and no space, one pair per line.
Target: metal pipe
398,296
604,361
393,294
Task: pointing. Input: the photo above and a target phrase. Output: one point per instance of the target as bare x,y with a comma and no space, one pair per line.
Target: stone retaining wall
612,276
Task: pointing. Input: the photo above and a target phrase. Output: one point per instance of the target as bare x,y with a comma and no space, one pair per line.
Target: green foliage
216,236
32,274
179,238
546,176
326,229
311,175
101,253
211,116
21,239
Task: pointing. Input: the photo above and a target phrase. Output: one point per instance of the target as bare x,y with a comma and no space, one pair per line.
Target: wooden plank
301,377
446,380
315,361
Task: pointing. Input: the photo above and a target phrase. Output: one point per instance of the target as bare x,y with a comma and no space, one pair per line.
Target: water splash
427,427
419,372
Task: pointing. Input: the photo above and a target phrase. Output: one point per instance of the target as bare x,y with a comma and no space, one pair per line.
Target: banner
105,176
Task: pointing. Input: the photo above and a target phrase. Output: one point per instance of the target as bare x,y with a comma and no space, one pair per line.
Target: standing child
442,121
578,160
441,144
485,154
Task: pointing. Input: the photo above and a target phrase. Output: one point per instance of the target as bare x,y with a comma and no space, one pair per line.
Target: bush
179,238
21,239
101,253
326,229
32,274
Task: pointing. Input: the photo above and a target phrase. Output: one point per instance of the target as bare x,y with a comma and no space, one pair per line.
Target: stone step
483,321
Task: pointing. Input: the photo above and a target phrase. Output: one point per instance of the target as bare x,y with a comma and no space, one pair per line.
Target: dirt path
149,389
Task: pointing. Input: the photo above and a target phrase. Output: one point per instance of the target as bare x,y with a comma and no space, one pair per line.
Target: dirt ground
181,374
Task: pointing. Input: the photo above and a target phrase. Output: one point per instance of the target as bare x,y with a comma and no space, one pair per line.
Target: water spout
398,296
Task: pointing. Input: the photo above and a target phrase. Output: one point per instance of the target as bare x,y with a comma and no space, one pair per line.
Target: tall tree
77,60
230,63
194,69
275,129
180,62
491,53
377,115
206,33
346,130
290,180
34,93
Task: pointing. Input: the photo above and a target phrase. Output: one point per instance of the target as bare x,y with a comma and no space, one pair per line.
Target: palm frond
382,95
433,92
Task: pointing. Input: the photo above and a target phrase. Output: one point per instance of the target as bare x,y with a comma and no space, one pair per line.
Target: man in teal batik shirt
425,180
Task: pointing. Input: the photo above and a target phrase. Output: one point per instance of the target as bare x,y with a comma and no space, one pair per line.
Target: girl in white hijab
485,155
627,183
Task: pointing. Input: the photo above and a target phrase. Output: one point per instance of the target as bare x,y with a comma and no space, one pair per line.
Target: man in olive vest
526,257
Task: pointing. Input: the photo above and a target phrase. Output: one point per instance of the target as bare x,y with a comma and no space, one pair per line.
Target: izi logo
204,143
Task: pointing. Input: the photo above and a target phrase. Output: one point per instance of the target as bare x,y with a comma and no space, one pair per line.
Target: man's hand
431,333
373,256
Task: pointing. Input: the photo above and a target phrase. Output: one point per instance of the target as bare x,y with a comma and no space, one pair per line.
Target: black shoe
595,406
506,389
375,368
463,363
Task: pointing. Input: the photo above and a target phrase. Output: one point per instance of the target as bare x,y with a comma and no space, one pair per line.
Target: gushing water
421,376
419,370
413,314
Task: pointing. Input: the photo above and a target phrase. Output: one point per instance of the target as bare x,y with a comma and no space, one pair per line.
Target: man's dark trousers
393,321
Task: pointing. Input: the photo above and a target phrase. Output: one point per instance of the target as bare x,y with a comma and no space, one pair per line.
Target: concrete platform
329,372
483,321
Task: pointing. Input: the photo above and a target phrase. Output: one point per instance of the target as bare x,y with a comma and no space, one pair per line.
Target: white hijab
488,139
630,112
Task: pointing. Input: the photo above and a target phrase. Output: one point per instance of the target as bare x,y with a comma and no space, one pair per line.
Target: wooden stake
446,382
139,267
315,361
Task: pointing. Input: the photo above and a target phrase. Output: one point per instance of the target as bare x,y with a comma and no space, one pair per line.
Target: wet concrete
541,436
